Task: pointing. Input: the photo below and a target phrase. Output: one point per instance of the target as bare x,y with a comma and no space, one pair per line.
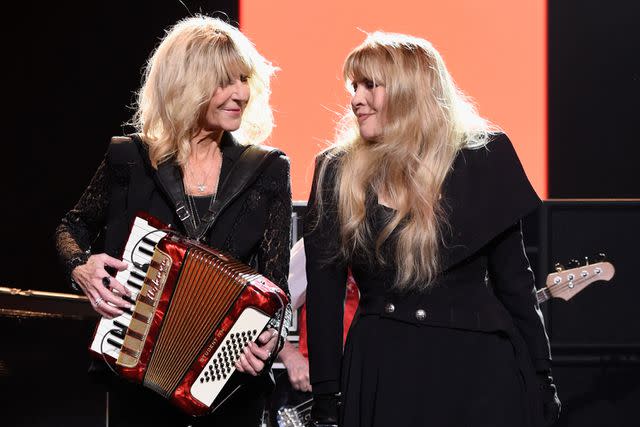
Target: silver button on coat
389,308
421,314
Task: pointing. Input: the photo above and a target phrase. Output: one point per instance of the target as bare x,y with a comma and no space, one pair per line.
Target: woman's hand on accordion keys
104,292
253,358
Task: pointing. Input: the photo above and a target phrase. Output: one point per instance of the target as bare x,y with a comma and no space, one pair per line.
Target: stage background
74,69
495,50
561,77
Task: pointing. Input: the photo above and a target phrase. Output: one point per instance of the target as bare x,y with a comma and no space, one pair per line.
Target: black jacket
254,227
486,283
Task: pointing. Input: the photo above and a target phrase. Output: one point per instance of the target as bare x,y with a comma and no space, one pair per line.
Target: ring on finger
99,301
106,281
268,354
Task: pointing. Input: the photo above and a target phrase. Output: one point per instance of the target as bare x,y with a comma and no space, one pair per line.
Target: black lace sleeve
81,225
273,253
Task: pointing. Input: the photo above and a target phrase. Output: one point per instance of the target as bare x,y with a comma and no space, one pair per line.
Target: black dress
254,228
466,351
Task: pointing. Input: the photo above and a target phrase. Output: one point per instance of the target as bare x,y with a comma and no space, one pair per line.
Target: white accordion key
100,344
222,364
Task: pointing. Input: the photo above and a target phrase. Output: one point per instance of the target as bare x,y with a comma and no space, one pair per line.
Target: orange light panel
495,50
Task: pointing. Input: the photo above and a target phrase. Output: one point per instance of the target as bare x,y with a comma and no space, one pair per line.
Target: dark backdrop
74,69
594,87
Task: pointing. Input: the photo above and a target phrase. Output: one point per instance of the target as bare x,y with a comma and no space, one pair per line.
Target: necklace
193,207
202,185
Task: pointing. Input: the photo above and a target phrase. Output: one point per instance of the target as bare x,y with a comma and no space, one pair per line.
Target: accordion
195,310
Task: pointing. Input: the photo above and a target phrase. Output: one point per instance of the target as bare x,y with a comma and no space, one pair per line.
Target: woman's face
368,105
227,105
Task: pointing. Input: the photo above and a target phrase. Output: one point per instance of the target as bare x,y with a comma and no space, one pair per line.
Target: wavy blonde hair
427,121
196,56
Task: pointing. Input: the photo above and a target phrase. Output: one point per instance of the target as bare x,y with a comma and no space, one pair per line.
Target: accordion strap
170,180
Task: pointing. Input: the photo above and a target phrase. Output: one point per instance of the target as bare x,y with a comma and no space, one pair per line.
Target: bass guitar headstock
566,283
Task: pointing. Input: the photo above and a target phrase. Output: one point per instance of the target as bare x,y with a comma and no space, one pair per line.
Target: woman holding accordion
204,100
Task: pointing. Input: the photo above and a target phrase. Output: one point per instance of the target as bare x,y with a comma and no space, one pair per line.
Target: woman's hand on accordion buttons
104,292
253,357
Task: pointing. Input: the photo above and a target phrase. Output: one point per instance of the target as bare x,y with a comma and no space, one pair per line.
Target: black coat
254,228
255,224
476,333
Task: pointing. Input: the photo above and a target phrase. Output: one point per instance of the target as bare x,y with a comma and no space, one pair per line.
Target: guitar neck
543,295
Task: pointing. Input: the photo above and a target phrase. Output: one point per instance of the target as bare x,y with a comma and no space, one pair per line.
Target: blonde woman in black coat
423,199
204,101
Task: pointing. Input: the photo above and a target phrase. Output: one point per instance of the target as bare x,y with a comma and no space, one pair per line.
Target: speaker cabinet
604,314
595,336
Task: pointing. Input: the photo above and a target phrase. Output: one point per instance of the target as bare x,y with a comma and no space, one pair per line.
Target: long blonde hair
427,121
196,56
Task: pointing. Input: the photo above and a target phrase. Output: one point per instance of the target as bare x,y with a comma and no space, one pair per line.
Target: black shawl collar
486,193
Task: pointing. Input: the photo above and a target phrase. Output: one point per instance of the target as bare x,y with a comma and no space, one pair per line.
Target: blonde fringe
197,55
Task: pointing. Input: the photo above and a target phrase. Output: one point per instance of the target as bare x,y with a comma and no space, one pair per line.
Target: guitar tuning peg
573,263
558,267
600,257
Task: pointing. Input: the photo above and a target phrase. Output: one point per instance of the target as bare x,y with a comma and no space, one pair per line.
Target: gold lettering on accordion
145,307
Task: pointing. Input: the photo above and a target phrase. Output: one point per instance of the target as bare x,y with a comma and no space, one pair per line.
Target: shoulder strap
170,180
